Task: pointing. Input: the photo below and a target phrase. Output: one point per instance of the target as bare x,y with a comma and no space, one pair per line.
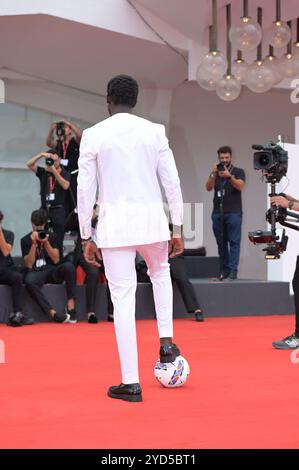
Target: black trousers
34,280
11,277
296,296
57,217
91,282
179,275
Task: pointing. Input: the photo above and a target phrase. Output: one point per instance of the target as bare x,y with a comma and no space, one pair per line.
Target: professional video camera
60,131
272,159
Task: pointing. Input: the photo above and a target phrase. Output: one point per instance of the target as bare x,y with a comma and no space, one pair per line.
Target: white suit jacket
121,161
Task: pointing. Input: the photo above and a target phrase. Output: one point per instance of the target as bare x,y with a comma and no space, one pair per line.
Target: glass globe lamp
239,69
259,78
246,35
228,88
279,34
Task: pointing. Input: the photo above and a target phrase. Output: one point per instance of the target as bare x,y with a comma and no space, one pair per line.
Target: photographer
10,276
227,182
66,143
54,183
292,341
41,256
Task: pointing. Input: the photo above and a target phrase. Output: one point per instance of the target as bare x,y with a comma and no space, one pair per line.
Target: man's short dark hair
52,151
123,90
39,217
224,149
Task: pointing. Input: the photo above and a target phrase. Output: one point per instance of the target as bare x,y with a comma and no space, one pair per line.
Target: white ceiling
85,57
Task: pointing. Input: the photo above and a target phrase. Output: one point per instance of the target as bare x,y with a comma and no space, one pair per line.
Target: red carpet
241,392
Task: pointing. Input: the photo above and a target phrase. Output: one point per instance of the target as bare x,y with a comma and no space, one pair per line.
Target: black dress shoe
127,392
168,352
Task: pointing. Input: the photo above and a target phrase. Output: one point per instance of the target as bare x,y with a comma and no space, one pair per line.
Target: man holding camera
41,257
227,182
54,183
10,276
292,341
67,146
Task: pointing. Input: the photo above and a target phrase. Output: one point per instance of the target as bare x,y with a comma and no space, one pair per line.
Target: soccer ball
172,374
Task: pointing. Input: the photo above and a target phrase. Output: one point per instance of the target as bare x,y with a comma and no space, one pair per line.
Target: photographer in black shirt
9,275
41,256
66,143
228,182
54,183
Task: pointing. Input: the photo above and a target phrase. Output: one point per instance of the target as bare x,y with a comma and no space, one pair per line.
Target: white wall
199,123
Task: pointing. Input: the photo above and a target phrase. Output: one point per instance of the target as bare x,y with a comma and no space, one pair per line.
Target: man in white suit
123,158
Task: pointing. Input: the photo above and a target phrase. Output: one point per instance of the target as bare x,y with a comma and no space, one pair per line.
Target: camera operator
10,276
54,183
227,182
41,256
292,341
67,146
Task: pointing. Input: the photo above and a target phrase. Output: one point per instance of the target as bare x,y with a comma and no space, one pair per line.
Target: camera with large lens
60,131
220,167
49,161
272,159
42,234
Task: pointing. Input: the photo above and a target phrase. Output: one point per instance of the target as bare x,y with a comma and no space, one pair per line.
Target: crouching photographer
41,257
54,184
9,275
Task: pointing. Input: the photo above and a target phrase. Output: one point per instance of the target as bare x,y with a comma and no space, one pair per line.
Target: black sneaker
127,392
224,275
63,318
27,320
92,318
290,342
199,316
232,275
15,319
73,315
168,352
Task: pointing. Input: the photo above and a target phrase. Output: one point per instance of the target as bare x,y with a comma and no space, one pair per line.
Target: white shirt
121,161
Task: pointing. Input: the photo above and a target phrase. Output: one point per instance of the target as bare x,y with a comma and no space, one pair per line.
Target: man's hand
92,254
280,201
34,237
175,247
224,174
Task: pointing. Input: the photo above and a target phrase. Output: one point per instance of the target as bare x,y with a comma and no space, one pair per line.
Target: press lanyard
64,149
51,184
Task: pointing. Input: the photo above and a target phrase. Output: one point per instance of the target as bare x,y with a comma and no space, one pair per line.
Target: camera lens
49,161
264,160
42,234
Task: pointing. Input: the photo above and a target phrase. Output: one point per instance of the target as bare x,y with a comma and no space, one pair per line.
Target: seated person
92,272
10,276
178,274
41,256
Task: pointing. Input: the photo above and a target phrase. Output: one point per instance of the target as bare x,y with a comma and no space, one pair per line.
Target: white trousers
121,275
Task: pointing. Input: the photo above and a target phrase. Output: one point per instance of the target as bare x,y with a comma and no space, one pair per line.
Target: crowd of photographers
42,248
